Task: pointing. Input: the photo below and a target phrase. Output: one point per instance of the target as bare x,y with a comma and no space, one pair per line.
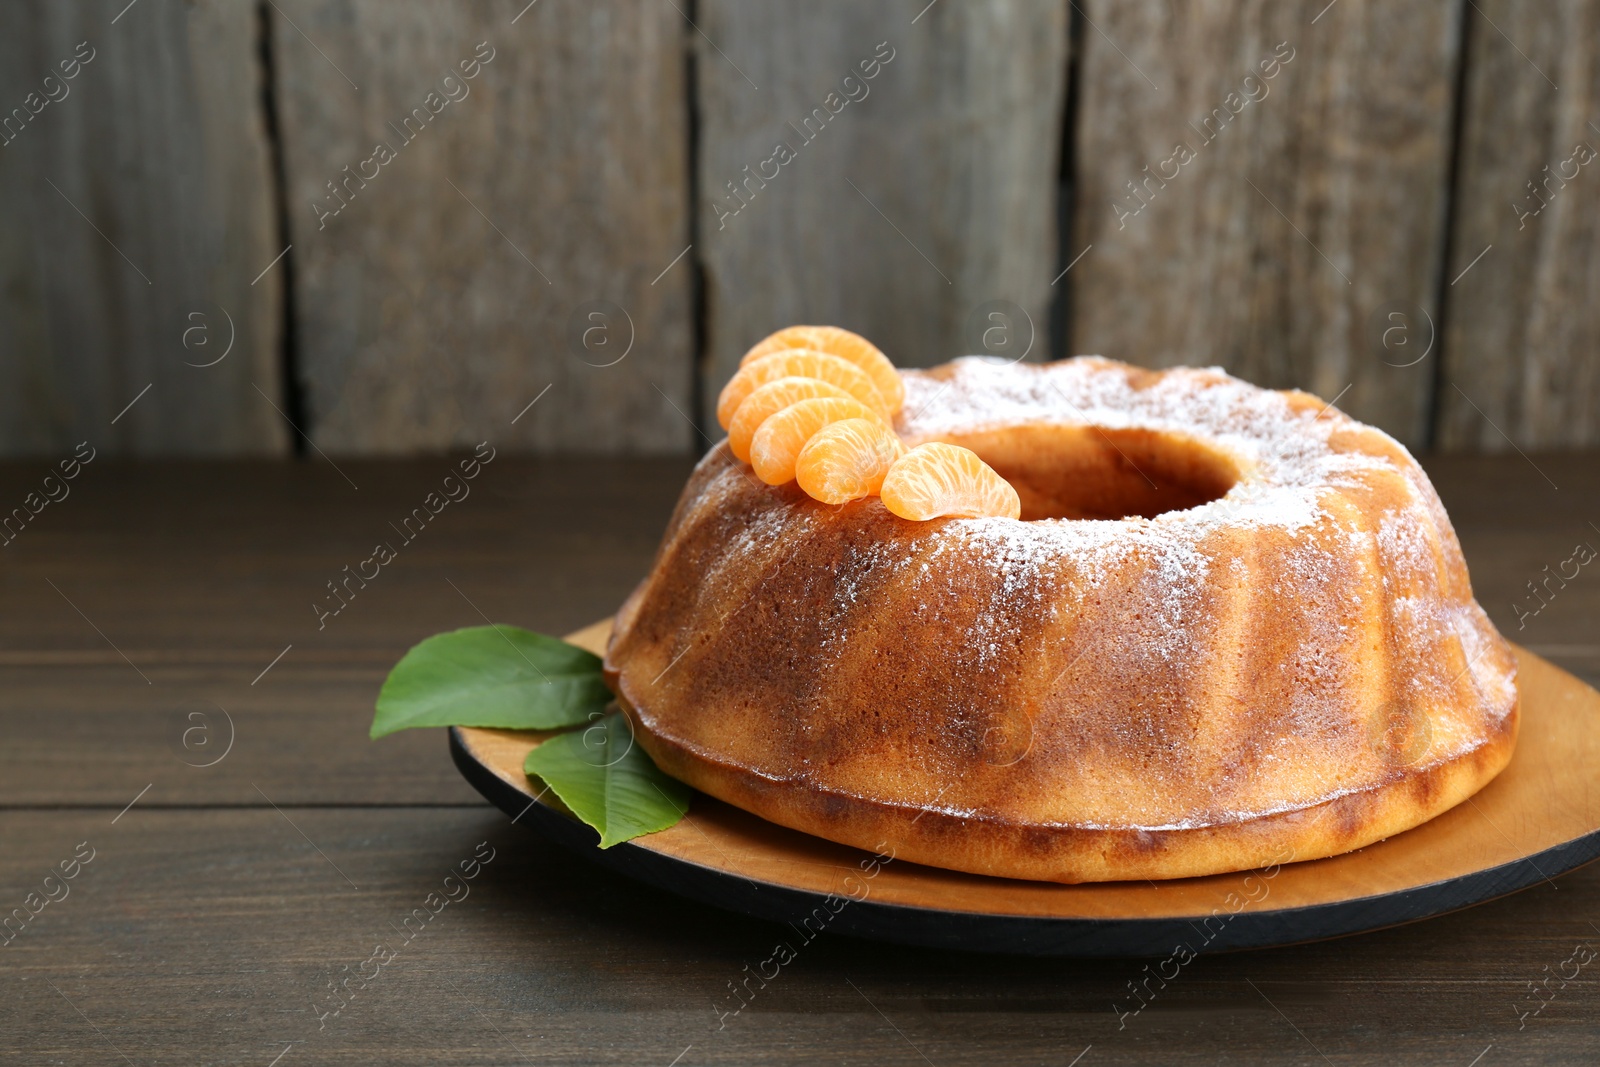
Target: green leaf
608,781
500,676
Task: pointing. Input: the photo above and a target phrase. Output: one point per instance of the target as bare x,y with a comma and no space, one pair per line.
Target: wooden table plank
228,559
207,936
204,736
202,575
443,283
140,265
208,921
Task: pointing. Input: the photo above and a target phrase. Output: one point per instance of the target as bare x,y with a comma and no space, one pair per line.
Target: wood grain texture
202,931
438,302
915,196
1524,319
138,199
202,574
1293,219
211,936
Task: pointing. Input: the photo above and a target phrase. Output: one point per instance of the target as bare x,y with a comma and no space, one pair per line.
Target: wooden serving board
1538,819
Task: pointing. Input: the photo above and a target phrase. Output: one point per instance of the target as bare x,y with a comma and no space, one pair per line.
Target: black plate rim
1023,934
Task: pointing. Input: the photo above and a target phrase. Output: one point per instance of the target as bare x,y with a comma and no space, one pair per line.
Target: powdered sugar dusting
1257,427
1207,665
1285,457
1292,482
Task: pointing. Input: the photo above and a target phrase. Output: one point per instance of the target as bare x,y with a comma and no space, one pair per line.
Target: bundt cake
1230,625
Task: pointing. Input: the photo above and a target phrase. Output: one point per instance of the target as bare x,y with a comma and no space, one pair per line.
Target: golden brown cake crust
1284,655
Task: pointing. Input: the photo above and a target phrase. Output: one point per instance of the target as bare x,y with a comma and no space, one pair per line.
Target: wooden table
222,901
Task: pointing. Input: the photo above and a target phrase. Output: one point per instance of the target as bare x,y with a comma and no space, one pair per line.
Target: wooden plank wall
135,211
435,293
1522,351
914,197
1359,223
1256,186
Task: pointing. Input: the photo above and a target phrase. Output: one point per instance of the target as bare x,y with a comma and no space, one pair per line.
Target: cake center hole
1088,472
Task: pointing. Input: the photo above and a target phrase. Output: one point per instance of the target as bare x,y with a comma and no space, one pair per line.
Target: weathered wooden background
357,227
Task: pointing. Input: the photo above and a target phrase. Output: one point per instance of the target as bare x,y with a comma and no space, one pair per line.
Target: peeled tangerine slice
777,444
847,460
939,480
798,363
848,346
767,401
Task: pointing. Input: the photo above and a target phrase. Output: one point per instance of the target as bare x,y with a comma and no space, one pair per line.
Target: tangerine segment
798,363
844,344
847,460
939,480
768,401
778,442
